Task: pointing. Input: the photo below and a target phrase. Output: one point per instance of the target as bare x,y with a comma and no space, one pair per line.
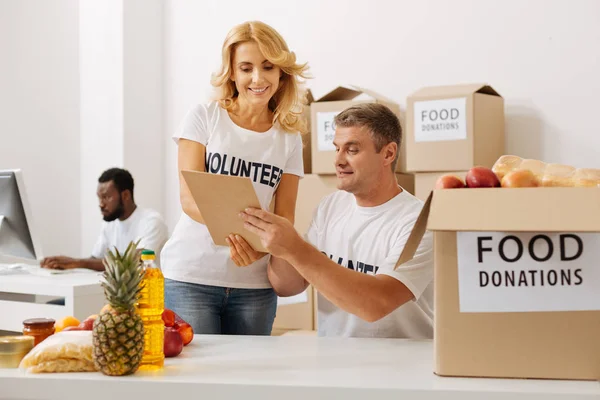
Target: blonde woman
252,129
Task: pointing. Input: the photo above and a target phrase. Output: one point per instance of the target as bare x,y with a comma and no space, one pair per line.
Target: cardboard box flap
412,244
340,93
308,97
545,209
458,90
373,94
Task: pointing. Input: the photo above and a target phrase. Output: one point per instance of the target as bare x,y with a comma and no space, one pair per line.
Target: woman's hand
241,252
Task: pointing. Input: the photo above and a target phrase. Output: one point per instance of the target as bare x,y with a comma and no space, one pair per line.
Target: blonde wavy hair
288,102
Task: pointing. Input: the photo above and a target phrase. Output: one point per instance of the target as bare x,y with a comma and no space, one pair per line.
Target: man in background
124,222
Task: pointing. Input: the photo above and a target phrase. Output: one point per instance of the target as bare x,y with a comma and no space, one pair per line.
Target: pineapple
118,333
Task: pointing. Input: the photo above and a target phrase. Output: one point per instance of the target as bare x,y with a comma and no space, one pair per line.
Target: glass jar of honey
39,328
13,349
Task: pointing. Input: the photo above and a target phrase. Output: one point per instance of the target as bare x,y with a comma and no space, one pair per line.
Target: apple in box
449,182
481,177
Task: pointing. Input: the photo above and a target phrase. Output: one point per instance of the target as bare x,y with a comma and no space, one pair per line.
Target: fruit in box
481,177
520,178
173,344
449,182
506,164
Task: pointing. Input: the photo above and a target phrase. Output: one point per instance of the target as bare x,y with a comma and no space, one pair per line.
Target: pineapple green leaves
123,274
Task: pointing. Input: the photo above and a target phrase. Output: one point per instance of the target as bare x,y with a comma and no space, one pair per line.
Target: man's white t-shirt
369,240
190,255
144,224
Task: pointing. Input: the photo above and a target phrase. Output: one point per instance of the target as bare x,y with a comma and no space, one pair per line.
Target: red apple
481,177
178,319
173,344
449,182
88,323
186,331
520,178
168,317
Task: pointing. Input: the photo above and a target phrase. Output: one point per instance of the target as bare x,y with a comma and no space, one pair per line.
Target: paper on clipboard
220,199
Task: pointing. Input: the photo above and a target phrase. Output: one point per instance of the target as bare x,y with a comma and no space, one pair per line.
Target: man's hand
60,262
276,233
241,252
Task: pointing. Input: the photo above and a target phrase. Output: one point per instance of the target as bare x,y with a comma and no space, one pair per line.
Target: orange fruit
65,322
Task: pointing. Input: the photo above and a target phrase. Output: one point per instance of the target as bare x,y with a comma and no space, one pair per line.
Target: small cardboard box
296,312
517,281
306,138
324,110
453,128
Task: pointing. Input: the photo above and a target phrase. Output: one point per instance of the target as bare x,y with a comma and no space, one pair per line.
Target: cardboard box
306,138
453,128
510,310
323,112
295,313
311,190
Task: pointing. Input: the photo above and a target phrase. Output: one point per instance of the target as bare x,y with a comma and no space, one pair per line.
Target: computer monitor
18,240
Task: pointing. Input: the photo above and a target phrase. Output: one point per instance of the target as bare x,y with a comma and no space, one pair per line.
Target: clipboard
220,199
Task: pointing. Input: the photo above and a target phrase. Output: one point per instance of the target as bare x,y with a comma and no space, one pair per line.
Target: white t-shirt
369,240
143,224
190,255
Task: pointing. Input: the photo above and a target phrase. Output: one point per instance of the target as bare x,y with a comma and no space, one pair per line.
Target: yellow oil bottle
151,305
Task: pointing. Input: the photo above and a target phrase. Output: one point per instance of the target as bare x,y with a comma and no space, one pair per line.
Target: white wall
541,55
39,113
121,57
81,91
101,100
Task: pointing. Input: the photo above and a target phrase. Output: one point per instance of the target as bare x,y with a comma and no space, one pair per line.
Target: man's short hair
121,178
380,121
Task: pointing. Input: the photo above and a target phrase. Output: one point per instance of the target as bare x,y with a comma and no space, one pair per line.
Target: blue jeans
220,310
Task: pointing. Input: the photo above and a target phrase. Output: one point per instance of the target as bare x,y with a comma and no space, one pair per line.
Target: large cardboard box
453,128
517,281
324,110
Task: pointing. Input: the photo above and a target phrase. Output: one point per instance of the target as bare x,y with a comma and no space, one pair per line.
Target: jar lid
39,323
16,344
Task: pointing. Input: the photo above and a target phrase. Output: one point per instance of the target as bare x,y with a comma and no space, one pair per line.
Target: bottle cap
148,255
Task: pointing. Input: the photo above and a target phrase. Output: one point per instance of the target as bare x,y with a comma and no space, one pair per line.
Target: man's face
111,202
358,165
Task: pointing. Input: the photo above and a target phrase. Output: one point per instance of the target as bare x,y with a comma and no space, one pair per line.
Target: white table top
288,368
80,282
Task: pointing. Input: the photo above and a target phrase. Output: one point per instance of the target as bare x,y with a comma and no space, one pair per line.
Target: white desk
290,368
81,290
